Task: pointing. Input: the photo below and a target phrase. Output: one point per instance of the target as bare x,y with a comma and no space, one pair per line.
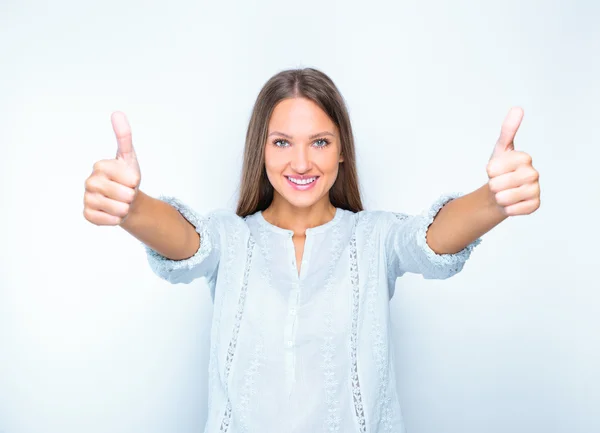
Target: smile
302,183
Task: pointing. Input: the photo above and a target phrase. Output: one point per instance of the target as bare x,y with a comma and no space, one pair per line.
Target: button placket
290,320
289,335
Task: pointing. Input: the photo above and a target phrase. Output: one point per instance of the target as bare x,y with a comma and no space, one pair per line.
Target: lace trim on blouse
236,328
332,423
356,393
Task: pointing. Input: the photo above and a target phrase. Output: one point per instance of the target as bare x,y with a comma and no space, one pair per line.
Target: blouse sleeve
407,250
204,263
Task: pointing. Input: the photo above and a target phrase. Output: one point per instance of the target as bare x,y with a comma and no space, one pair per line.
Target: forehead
299,115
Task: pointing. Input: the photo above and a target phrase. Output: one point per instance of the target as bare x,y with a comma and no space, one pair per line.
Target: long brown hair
256,192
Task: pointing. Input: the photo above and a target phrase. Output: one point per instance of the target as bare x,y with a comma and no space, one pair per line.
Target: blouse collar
318,229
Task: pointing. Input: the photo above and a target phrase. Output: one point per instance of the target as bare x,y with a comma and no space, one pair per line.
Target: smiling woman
300,275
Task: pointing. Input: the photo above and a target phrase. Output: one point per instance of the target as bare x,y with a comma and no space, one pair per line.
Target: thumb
122,130
511,124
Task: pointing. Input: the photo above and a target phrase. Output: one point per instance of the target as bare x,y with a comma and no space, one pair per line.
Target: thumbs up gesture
513,181
111,189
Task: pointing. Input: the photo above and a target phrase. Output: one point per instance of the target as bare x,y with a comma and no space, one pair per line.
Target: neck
282,213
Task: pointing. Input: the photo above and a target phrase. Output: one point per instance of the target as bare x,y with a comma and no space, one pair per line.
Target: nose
300,162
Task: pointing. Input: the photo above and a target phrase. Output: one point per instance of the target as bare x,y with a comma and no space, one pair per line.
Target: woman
301,276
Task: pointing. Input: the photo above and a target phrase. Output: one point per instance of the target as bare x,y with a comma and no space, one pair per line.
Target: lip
301,187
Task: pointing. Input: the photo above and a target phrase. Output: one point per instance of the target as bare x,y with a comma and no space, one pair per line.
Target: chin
296,200
301,199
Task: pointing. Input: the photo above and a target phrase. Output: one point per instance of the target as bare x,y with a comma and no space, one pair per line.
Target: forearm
161,227
463,220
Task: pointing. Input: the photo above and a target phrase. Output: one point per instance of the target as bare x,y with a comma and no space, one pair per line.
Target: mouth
302,183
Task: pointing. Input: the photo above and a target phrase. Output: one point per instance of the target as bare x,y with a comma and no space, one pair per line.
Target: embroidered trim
356,393
252,372
248,390
232,241
332,422
236,329
379,344
264,242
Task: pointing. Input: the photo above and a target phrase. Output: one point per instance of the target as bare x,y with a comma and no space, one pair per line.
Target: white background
92,341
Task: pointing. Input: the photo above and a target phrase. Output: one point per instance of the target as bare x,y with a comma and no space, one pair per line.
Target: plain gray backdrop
92,341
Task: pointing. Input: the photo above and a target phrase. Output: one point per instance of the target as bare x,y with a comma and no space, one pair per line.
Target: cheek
328,163
275,164
270,159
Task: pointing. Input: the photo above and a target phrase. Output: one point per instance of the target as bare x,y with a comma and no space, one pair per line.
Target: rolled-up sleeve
204,263
407,250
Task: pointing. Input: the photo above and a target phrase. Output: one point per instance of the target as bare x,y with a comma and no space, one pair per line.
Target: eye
321,142
281,143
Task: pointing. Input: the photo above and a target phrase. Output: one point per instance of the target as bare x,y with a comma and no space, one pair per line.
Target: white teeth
302,181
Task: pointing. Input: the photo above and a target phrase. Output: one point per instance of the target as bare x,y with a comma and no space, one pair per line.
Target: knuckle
89,200
499,198
87,214
132,178
130,196
526,158
123,210
99,165
535,176
493,186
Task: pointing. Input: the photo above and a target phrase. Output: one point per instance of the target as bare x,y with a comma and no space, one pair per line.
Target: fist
513,182
111,189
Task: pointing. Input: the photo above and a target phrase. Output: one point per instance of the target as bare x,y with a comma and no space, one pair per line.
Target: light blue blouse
310,352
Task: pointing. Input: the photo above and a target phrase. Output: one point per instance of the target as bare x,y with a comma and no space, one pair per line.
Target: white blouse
310,352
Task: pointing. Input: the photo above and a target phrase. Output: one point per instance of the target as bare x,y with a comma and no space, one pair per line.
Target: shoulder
378,219
226,220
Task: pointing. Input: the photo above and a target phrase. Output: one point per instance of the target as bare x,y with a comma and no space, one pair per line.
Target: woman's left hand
513,182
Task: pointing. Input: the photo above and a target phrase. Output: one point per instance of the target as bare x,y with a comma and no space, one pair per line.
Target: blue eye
276,143
323,142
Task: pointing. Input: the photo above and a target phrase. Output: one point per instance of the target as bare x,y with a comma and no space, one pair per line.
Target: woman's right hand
112,188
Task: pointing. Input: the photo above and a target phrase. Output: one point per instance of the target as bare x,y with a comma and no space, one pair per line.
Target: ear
341,158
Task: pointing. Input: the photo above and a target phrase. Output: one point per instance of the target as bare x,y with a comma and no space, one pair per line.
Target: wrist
492,204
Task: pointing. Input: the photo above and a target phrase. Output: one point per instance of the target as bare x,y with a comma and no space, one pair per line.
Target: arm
181,245
161,227
438,243
513,189
463,220
407,248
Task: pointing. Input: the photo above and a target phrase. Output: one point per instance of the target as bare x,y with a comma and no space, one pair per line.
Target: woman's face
302,152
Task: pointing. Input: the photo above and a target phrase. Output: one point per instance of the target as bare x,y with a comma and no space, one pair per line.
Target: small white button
289,343
293,311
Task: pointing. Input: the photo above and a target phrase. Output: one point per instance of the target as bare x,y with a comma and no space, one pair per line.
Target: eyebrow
320,134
